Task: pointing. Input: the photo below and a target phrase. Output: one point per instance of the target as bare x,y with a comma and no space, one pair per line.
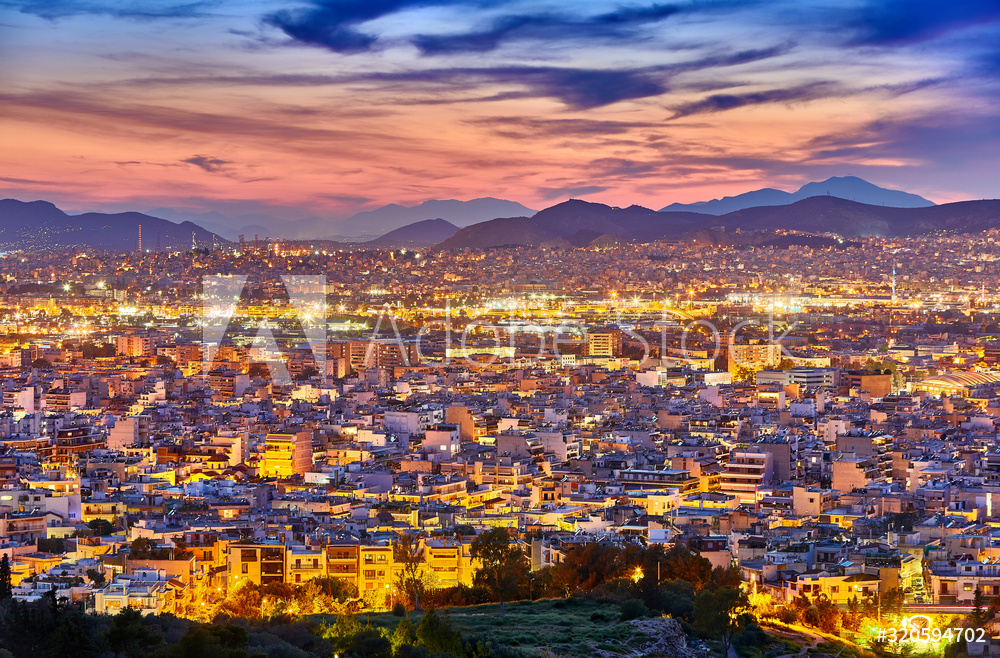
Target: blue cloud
578,88
895,22
334,24
720,102
148,10
208,163
545,26
570,191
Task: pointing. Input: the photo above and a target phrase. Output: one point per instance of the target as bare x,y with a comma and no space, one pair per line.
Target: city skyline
323,108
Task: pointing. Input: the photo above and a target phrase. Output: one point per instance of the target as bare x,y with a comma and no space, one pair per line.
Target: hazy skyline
326,108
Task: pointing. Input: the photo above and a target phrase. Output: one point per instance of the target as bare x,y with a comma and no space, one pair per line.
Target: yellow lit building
286,455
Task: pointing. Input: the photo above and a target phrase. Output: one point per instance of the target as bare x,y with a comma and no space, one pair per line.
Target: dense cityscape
499,329
813,424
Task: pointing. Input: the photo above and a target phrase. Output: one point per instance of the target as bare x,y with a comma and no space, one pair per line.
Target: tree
727,576
96,576
6,589
223,641
101,527
128,636
892,601
586,566
406,552
41,363
436,634
497,560
721,614
405,634
745,374
687,564
978,613
307,373
786,364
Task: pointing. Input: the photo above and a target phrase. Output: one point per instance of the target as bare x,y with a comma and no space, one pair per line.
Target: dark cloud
939,139
136,10
334,24
27,181
720,102
895,22
533,127
578,88
653,12
208,163
349,200
95,111
621,167
549,193
551,27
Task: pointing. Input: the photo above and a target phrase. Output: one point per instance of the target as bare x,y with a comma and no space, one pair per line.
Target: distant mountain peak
39,225
425,233
843,187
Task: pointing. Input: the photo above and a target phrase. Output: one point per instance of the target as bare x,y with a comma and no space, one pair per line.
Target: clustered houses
856,456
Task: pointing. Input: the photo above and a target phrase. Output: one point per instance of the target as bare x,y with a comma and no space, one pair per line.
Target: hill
364,225
827,214
374,223
426,233
578,222
38,225
843,187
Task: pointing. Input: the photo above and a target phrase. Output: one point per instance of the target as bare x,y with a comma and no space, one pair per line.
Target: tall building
128,432
287,454
754,356
604,342
745,473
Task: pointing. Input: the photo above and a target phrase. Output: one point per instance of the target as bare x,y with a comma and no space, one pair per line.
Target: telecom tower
139,241
893,285
194,241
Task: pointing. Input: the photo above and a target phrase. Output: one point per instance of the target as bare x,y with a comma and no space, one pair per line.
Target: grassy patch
561,626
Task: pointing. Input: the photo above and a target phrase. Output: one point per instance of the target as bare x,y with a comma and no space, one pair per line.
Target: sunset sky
323,107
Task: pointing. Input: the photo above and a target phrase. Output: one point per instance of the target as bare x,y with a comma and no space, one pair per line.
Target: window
835,589
246,567
968,587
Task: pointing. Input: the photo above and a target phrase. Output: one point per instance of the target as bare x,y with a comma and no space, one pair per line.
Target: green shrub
633,609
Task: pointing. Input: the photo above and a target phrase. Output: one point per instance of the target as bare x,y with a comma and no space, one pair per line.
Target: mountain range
361,226
581,223
38,225
844,187
574,223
